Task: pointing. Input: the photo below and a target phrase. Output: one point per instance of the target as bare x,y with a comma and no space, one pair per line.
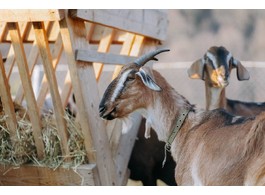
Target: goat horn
149,56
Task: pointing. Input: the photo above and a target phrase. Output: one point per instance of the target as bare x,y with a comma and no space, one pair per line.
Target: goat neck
215,97
162,114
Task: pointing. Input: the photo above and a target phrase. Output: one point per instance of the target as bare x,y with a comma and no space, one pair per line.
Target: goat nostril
101,108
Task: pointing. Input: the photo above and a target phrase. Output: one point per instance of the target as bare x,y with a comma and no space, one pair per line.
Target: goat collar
180,120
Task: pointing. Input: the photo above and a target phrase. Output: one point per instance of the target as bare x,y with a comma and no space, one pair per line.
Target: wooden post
84,81
26,82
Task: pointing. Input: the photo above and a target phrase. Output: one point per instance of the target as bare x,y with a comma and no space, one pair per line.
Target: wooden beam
32,175
46,57
106,58
18,15
26,83
7,103
147,22
84,82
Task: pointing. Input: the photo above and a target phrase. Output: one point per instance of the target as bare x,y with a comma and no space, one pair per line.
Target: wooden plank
125,147
26,82
7,103
106,58
32,175
104,46
84,81
147,22
67,88
18,15
10,61
33,56
56,55
46,57
70,55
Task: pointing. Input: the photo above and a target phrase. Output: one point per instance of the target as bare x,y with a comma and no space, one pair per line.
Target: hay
23,150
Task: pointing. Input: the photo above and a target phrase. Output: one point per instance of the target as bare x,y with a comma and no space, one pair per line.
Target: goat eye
130,78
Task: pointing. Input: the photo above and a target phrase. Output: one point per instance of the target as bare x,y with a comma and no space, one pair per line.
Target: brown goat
215,68
209,147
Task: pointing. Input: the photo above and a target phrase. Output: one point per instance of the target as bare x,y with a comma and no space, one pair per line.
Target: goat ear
147,80
242,73
196,71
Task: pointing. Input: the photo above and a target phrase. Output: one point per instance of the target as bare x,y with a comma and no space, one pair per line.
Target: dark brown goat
146,160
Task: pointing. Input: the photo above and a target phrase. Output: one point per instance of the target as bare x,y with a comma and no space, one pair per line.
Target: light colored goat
215,68
210,147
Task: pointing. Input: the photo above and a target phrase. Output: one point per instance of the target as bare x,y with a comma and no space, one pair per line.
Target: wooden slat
84,82
104,46
106,58
147,22
67,88
26,82
17,15
56,54
46,57
32,58
30,175
7,102
10,61
125,50
3,29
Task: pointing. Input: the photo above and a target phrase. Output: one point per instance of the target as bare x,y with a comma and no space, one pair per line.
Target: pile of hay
23,149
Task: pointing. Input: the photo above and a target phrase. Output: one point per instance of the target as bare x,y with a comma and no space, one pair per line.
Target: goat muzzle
106,113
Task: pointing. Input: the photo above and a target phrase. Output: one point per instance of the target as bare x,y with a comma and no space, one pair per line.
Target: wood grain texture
17,15
32,175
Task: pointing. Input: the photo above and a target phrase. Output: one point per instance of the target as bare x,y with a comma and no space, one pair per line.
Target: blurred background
192,31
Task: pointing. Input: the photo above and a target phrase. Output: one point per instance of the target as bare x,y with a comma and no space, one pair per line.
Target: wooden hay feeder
86,40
